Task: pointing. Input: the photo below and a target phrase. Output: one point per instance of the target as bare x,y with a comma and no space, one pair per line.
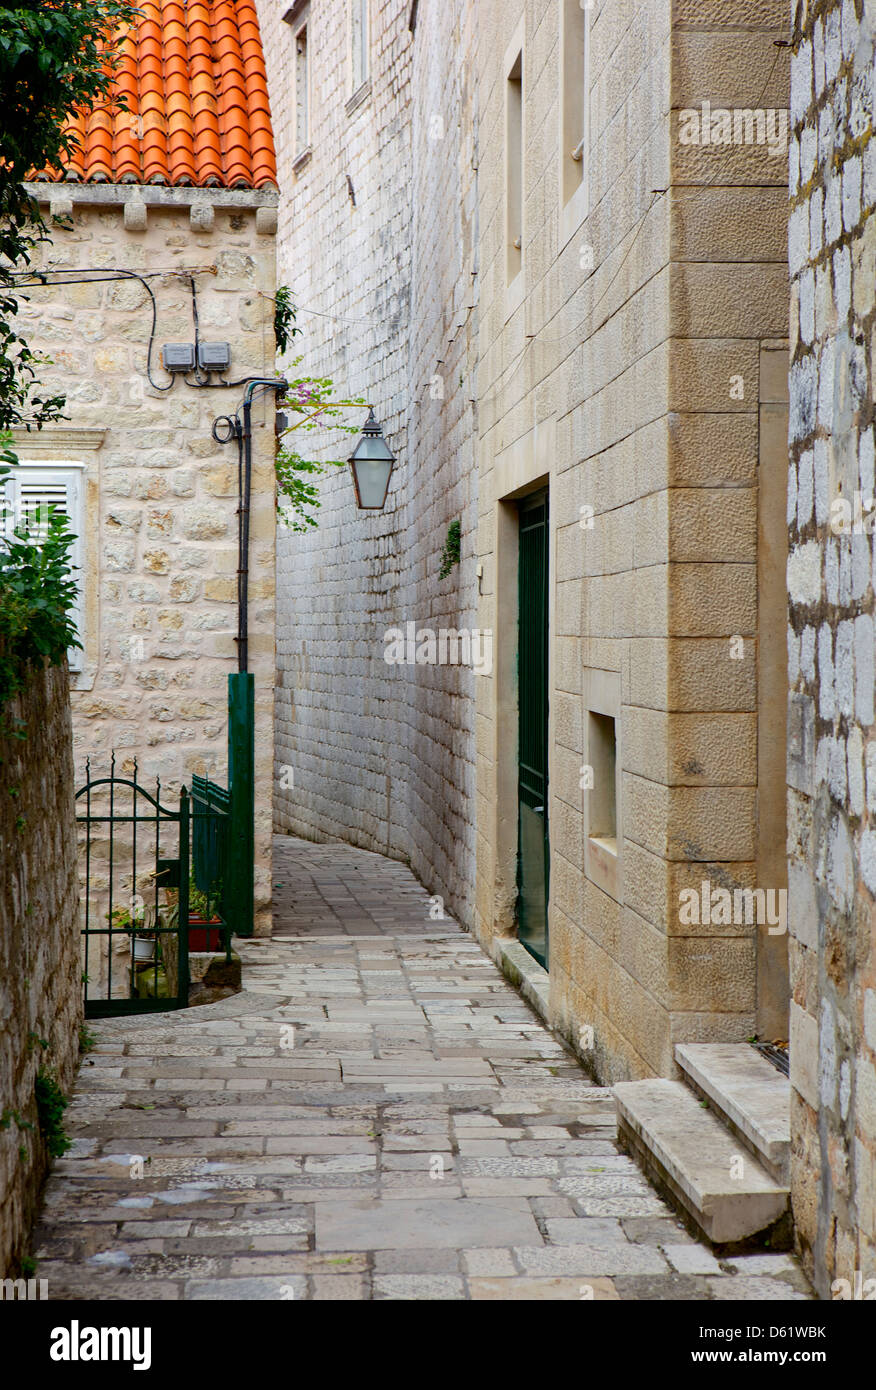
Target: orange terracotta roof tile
189,102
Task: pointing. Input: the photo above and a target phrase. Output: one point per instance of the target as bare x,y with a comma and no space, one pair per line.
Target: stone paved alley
377,1115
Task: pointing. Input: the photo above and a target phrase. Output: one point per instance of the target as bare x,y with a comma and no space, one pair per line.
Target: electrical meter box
214,357
178,357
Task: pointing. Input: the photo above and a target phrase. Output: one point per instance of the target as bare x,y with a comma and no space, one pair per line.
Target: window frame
514,118
298,19
359,30
603,863
575,205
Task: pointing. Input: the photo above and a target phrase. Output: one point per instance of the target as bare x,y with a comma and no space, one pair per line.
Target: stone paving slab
378,1115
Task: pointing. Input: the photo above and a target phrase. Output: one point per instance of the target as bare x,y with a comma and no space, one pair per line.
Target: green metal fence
211,843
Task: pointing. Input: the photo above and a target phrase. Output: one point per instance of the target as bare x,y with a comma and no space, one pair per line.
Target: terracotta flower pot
204,935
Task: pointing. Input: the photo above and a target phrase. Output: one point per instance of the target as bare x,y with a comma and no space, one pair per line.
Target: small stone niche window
297,17
574,106
359,43
603,759
302,95
514,169
603,832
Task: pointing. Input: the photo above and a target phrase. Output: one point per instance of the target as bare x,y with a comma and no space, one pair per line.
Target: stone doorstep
690,1155
524,971
751,1097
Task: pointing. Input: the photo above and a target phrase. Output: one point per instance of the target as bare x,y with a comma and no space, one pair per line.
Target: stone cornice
152,195
59,438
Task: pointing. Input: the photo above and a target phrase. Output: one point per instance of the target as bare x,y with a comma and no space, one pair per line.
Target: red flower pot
203,935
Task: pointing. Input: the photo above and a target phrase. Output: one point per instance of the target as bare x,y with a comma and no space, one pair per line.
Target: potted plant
143,937
205,924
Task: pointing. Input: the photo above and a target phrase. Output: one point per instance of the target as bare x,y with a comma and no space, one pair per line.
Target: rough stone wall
160,556
40,989
381,755
832,728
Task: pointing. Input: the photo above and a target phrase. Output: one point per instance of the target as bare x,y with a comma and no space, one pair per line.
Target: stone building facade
628,356
152,496
378,242
161,221
627,344
831,733
633,364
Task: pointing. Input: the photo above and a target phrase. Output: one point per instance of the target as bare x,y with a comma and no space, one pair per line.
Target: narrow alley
378,1115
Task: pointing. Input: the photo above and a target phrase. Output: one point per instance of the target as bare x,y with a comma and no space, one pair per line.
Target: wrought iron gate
134,852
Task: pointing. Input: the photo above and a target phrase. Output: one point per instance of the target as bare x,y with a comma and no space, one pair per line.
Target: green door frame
533,844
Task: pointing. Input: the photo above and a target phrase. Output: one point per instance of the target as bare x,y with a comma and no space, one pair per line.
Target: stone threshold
524,972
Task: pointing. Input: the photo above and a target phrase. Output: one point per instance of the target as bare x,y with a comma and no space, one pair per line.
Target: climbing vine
311,400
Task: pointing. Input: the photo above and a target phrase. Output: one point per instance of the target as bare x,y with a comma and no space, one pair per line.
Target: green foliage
451,551
87,1039
204,904
56,57
285,312
9,1117
28,1267
51,1104
37,594
309,398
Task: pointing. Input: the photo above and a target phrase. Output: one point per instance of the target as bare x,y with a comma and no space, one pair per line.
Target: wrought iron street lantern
371,465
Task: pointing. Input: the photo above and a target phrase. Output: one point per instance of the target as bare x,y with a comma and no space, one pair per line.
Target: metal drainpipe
244,438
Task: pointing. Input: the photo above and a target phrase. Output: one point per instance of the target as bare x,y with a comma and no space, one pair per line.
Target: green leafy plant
310,398
55,59
204,904
87,1039
37,594
285,313
451,551
51,1104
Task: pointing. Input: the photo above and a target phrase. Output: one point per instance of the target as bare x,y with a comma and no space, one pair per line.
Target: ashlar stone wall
627,366
377,239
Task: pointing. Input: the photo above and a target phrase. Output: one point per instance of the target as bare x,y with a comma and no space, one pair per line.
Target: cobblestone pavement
377,1115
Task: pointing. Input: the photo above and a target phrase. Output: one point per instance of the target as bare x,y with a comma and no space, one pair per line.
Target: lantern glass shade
371,464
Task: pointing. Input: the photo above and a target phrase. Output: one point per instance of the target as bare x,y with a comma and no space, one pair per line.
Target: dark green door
533,855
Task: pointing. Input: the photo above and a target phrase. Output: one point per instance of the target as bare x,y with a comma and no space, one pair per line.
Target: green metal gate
533,846
141,861
135,899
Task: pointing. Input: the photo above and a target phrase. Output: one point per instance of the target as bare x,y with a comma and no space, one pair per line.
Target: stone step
686,1150
748,1094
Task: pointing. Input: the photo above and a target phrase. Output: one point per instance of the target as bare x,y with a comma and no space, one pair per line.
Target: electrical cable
112,272
199,381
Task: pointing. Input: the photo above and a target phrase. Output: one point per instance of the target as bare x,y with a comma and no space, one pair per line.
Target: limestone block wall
40,989
160,495
573,385
831,733
609,377
377,241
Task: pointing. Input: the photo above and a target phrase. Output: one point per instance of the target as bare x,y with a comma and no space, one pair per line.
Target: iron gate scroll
135,902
